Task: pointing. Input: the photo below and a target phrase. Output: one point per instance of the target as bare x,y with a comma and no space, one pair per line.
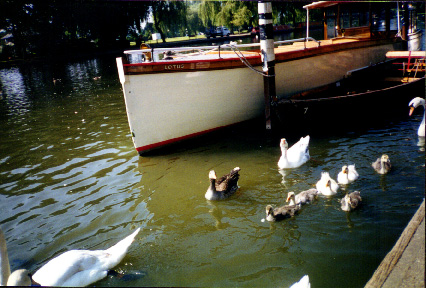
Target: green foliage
44,27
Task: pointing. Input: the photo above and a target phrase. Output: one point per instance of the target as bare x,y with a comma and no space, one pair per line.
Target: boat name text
173,66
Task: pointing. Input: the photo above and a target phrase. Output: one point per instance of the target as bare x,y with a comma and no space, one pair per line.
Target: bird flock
83,267
294,157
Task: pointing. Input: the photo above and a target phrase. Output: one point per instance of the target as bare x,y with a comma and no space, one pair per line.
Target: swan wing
303,283
82,267
67,266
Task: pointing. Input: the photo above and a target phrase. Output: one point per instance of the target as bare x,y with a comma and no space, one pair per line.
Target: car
210,32
223,31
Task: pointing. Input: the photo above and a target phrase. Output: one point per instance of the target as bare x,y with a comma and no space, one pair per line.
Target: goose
82,267
224,186
280,213
382,164
343,177
327,186
353,174
296,155
304,197
347,175
351,201
414,103
303,283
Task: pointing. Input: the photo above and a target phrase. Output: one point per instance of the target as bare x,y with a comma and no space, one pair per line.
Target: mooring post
268,57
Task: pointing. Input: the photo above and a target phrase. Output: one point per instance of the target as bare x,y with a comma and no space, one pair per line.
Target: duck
296,155
303,283
280,213
224,187
414,103
326,185
351,201
382,164
82,267
304,197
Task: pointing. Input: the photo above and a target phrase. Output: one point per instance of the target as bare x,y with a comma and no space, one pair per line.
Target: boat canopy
320,4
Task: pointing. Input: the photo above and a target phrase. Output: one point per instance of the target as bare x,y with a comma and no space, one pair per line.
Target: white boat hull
166,107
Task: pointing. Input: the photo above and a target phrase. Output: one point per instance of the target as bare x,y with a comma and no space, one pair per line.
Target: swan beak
328,183
411,111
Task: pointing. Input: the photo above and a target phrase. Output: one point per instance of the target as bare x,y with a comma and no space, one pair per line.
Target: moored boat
173,94
373,93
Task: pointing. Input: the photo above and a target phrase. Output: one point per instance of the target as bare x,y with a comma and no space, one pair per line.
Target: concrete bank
404,265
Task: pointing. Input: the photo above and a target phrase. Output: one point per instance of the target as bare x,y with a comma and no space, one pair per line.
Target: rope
245,61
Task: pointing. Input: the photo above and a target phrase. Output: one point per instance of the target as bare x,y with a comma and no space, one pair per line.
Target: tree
168,15
208,11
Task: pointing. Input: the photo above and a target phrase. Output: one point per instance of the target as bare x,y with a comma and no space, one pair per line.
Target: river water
70,178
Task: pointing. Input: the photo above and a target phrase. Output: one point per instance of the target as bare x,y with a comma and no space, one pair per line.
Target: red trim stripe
174,140
188,62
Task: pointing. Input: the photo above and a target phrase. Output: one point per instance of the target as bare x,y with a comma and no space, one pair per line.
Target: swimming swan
303,283
416,102
296,156
19,277
224,187
327,186
382,164
82,267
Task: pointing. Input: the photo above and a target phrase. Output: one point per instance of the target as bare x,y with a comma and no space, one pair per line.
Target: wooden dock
404,265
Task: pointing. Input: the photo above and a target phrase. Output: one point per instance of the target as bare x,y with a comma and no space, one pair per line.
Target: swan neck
4,261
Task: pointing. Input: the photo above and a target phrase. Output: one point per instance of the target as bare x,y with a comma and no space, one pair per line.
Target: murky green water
71,179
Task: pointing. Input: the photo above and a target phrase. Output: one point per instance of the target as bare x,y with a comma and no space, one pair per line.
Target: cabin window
353,17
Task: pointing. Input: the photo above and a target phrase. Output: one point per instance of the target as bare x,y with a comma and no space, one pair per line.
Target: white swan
303,283
327,186
82,267
416,102
296,155
19,277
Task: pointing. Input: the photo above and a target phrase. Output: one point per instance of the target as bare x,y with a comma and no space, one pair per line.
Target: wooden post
268,57
325,24
338,20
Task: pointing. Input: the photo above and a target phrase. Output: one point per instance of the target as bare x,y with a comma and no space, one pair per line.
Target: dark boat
373,93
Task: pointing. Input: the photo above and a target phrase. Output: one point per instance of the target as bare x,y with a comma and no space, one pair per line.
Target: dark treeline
40,28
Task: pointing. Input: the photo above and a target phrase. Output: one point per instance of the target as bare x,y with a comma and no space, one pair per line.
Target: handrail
140,51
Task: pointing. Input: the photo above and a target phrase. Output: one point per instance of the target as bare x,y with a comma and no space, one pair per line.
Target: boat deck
226,51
